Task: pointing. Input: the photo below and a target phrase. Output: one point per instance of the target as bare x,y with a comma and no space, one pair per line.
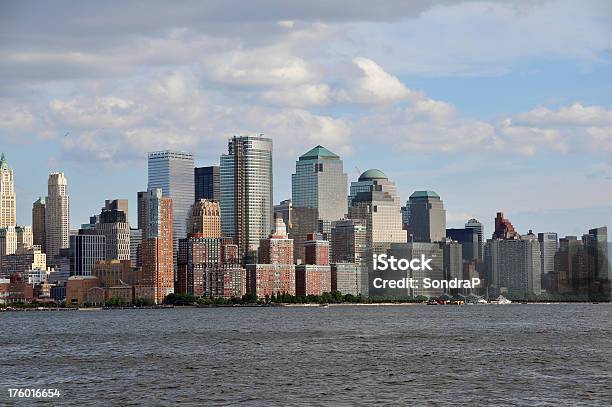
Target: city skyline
450,97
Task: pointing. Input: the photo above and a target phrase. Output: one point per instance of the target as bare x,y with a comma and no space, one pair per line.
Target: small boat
503,300
432,302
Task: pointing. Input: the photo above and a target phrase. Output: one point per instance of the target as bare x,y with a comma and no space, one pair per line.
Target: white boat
503,300
481,301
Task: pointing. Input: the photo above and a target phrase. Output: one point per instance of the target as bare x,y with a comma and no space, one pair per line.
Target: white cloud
373,86
299,96
574,115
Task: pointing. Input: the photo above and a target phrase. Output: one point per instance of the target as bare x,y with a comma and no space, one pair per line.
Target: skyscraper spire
8,215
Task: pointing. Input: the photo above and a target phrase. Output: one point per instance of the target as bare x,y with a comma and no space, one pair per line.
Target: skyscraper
114,227
38,223
597,264
504,228
246,192
172,171
548,248
468,238
207,183
427,218
319,188
118,205
157,253
205,218
85,249
141,197
8,211
57,215
284,210
374,200
476,225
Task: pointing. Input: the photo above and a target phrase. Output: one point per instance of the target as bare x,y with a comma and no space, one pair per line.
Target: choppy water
558,354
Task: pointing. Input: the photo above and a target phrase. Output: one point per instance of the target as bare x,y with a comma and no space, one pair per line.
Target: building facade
38,223
319,195
427,219
8,200
205,218
57,215
207,183
84,251
246,193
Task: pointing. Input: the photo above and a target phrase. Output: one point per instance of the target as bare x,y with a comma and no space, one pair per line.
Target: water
557,354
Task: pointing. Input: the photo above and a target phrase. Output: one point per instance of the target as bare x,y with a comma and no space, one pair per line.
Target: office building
205,218
207,182
84,251
141,197
427,219
57,215
479,228
8,205
597,264
246,193
38,223
413,250
172,172
156,247
548,249
284,210
374,201
319,195
113,225
346,278
135,247
469,240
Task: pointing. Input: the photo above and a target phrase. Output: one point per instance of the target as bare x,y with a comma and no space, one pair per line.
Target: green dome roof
424,194
372,174
318,152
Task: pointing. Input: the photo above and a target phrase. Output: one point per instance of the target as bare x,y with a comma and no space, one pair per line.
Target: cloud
373,86
573,115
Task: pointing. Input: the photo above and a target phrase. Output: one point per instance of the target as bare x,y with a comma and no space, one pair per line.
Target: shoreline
283,305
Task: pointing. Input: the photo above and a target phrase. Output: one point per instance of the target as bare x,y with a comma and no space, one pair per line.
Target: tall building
318,196
374,200
8,241
205,218
57,215
157,251
276,272
548,249
350,245
427,219
479,228
513,265
8,205
314,277
569,267
597,264
316,250
469,240
84,251
504,228
207,183
414,250
38,223
24,236
141,197
117,205
172,172
113,225
284,210
135,247
246,193
452,252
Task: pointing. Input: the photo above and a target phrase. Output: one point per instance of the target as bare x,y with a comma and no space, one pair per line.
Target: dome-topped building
372,174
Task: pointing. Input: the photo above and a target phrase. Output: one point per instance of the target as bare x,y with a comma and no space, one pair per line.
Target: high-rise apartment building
427,219
207,183
319,197
172,172
513,265
57,215
349,241
38,223
276,272
8,204
314,277
157,251
504,228
246,193
205,218
374,200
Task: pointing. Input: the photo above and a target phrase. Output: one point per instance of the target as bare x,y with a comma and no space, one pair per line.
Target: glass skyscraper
172,172
207,183
319,188
246,192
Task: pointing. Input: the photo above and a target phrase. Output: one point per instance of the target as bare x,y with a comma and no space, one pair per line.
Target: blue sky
497,106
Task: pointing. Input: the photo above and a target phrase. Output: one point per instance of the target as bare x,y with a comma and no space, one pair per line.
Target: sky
496,106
